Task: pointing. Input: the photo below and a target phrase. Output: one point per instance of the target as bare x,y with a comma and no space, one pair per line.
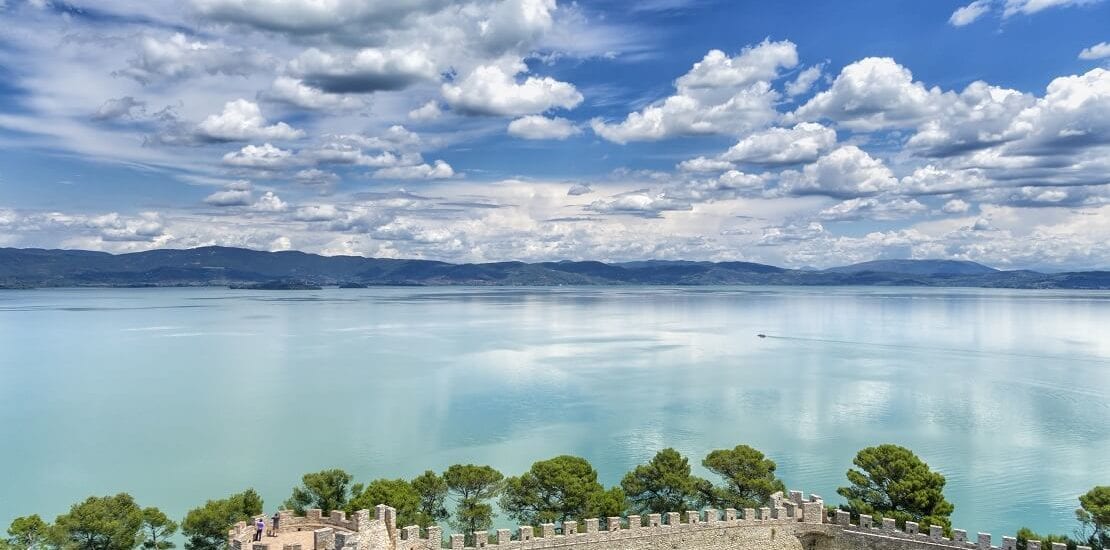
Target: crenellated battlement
316,531
785,511
312,520
933,535
791,522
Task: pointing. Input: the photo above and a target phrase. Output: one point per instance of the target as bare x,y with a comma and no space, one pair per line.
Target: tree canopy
326,490
100,523
1094,514
397,493
157,530
663,485
467,481
205,528
893,482
888,481
1025,534
432,489
749,477
472,486
28,533
557,489
608,503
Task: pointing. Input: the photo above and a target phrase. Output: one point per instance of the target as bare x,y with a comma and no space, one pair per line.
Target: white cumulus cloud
846,172
316,213
270,202
956,206
265,157
967,15
872,94
492,90
426,112
972,12
719,95
802,143
804,81
981,116
315,176
123,107
242,120
704,164
178,57
437,170
229,197
933,180
541,127
1029,7
873,208
1098,51
642,203
295,92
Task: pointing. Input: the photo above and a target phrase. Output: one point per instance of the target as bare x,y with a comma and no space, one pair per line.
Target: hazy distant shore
242,268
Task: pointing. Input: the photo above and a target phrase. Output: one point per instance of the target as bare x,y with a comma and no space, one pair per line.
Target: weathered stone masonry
790,523
332,532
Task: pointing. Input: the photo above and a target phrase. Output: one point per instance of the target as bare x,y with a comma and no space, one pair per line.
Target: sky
802,134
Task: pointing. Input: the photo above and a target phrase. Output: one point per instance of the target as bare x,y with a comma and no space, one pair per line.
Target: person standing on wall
259,526
274,524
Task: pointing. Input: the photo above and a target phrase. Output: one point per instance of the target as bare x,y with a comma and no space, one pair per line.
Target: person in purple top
259,526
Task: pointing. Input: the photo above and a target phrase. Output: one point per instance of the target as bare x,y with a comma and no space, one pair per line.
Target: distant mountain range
242,268
917,267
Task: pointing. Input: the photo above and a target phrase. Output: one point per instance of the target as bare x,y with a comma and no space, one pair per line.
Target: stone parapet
792,522
634,527
335,531
889,536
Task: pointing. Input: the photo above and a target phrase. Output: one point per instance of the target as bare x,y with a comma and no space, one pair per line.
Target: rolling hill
917,267
223,266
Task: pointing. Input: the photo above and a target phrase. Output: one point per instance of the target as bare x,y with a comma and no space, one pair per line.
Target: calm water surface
181,395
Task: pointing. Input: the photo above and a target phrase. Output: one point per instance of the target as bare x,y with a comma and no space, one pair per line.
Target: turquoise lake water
182,395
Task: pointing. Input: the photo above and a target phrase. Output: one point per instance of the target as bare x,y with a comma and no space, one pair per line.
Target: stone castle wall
335,531
867,535
790,523
771,528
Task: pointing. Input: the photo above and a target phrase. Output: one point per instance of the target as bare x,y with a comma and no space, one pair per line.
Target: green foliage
749,477
326,490
553,490
472,486
893,482
608,503
662,485
468,481
1095,505
28,533
1094,515
1025,534
888,481
157,530
397,493
433,494
471,516
100,523
205,528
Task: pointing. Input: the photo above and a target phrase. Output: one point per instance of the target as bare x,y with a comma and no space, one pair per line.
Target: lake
182,395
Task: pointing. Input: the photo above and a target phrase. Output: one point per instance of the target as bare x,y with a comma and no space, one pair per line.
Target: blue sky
809,133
